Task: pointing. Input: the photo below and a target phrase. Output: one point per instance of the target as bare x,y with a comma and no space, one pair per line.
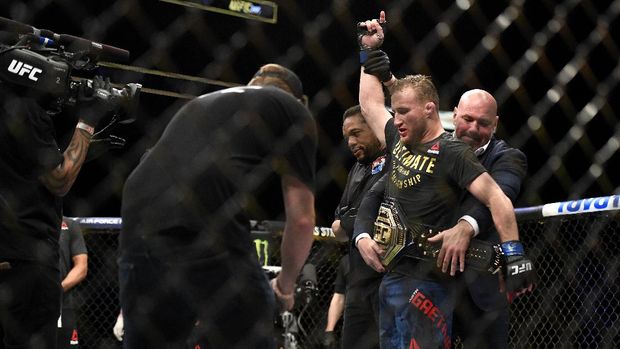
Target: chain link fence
97,296
577,300
576,303
553,66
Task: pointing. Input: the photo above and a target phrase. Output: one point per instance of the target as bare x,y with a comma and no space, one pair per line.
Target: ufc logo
21,68
521,268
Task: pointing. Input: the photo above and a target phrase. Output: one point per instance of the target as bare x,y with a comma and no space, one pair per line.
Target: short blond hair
422,84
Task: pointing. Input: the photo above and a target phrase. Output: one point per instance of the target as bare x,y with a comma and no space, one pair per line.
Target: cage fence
576,302
553,66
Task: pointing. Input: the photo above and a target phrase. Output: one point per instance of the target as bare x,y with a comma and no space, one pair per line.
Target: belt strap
481,255
400,239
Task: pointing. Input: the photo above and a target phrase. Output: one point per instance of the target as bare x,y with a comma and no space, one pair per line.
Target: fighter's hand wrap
518,269
364,48
93,103
286,300
378,64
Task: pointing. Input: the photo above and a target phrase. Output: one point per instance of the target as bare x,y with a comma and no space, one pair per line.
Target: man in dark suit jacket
482,316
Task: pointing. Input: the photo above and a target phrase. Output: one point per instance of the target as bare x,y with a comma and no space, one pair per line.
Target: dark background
552,66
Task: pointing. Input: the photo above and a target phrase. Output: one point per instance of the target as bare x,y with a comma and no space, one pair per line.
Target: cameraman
35,177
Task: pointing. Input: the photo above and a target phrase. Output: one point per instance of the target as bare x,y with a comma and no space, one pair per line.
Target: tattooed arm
60,179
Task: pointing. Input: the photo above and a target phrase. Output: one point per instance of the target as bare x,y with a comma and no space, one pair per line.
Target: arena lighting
260,10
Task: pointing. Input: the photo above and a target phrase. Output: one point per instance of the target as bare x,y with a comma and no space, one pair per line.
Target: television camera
41,62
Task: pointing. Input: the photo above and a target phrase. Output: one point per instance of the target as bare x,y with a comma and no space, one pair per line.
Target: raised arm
371,97
372,102
60,179
93,104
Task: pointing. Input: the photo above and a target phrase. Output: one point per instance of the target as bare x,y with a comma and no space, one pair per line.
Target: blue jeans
414,313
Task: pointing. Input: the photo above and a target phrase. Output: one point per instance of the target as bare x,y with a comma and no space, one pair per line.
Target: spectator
73,270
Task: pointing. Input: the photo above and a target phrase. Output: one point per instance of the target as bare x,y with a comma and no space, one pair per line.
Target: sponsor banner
115,223
323,232
603,203
100,222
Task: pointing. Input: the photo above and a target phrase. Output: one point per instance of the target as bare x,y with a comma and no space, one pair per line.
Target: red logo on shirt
434,149
64,226
74,338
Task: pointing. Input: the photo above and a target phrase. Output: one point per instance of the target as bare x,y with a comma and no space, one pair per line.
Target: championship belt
392,233
399,239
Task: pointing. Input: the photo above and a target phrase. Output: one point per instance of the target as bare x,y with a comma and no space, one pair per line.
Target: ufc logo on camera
21,69
521,268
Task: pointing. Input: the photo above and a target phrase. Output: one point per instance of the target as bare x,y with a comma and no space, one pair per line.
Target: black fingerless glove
94,102
361,31
378,64
329,340
518,269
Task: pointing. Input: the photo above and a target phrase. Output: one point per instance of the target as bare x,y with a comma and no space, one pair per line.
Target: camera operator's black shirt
199,179
30,214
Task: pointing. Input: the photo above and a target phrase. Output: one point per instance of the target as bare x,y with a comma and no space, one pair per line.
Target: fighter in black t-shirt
429,171
185,248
